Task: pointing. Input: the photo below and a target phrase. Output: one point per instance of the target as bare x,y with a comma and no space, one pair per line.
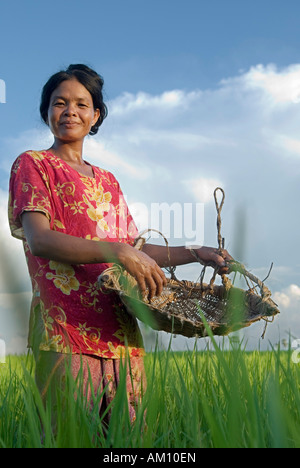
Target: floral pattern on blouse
76,316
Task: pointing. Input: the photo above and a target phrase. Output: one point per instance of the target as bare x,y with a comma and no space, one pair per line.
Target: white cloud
295,291
34,139
282,85
289,145
128,102
178,146
282,299
183,140
96,152
202,189
289,297
14,320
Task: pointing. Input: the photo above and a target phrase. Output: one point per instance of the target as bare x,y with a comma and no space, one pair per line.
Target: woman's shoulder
30,159
31,155
104,173
21,159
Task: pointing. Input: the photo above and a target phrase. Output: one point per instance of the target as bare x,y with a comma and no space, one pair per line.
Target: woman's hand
144,269
210,256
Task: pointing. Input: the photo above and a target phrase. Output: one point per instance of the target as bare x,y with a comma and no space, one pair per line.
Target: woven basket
183,305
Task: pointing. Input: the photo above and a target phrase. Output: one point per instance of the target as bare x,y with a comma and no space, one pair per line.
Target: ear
96,116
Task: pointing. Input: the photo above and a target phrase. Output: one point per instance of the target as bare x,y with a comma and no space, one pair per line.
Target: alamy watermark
2,92
177,220
2,351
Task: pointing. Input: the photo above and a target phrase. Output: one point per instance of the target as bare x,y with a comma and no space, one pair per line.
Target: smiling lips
69,123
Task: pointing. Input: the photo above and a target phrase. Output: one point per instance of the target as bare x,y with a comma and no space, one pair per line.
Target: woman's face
71,112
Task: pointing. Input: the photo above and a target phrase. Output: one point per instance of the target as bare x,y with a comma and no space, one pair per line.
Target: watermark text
2,92
177,220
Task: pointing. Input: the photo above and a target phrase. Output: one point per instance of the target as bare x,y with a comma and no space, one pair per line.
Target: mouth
69,124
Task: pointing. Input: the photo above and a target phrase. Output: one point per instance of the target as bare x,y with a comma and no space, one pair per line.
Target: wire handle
221,240
235,266
140,241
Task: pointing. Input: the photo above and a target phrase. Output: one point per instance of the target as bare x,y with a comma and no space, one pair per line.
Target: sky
200,94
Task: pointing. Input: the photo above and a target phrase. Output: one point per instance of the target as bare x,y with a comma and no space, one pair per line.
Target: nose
70,109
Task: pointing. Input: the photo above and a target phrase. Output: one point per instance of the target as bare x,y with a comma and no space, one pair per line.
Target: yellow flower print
97,215
58,224
122,208
64,279
37,199
92,238
92,289
76,207
97,194
67,188
90,297
58,189
100,197
90,335
38,156
48,321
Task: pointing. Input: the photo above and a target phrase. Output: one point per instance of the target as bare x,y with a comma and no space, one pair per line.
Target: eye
58,103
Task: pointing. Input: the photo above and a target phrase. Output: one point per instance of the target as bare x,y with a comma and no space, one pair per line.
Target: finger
147,285
160,283
162,275
141,284
218,259
226,256
152,287
223,271
155,281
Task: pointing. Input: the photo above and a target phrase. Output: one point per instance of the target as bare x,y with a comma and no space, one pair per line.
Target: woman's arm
60,247
182,255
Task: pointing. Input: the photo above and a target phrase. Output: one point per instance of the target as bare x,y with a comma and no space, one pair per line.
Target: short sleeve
28,191
126,225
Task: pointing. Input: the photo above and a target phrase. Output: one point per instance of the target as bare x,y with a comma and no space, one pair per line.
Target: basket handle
221,240
140,242
239,267
236,266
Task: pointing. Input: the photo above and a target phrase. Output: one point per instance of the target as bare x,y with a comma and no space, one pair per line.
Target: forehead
71,89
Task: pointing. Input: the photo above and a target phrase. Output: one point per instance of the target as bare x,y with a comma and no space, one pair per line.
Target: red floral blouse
76,316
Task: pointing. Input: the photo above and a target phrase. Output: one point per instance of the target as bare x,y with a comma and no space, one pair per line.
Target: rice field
212,399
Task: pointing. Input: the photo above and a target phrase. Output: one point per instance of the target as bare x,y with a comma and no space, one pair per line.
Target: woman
74,222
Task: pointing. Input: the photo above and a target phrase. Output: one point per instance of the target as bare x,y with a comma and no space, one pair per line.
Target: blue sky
139,45
199,93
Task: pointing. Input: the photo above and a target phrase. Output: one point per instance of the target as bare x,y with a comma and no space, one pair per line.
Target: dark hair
88,78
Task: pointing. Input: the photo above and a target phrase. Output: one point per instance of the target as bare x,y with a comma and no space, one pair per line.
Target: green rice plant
221,397
11,400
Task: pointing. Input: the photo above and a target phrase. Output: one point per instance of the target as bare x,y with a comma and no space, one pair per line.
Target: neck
70,152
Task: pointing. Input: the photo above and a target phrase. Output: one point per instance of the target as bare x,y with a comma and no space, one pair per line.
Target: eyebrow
64,98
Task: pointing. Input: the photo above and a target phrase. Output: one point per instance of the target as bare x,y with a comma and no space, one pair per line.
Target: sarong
102,373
